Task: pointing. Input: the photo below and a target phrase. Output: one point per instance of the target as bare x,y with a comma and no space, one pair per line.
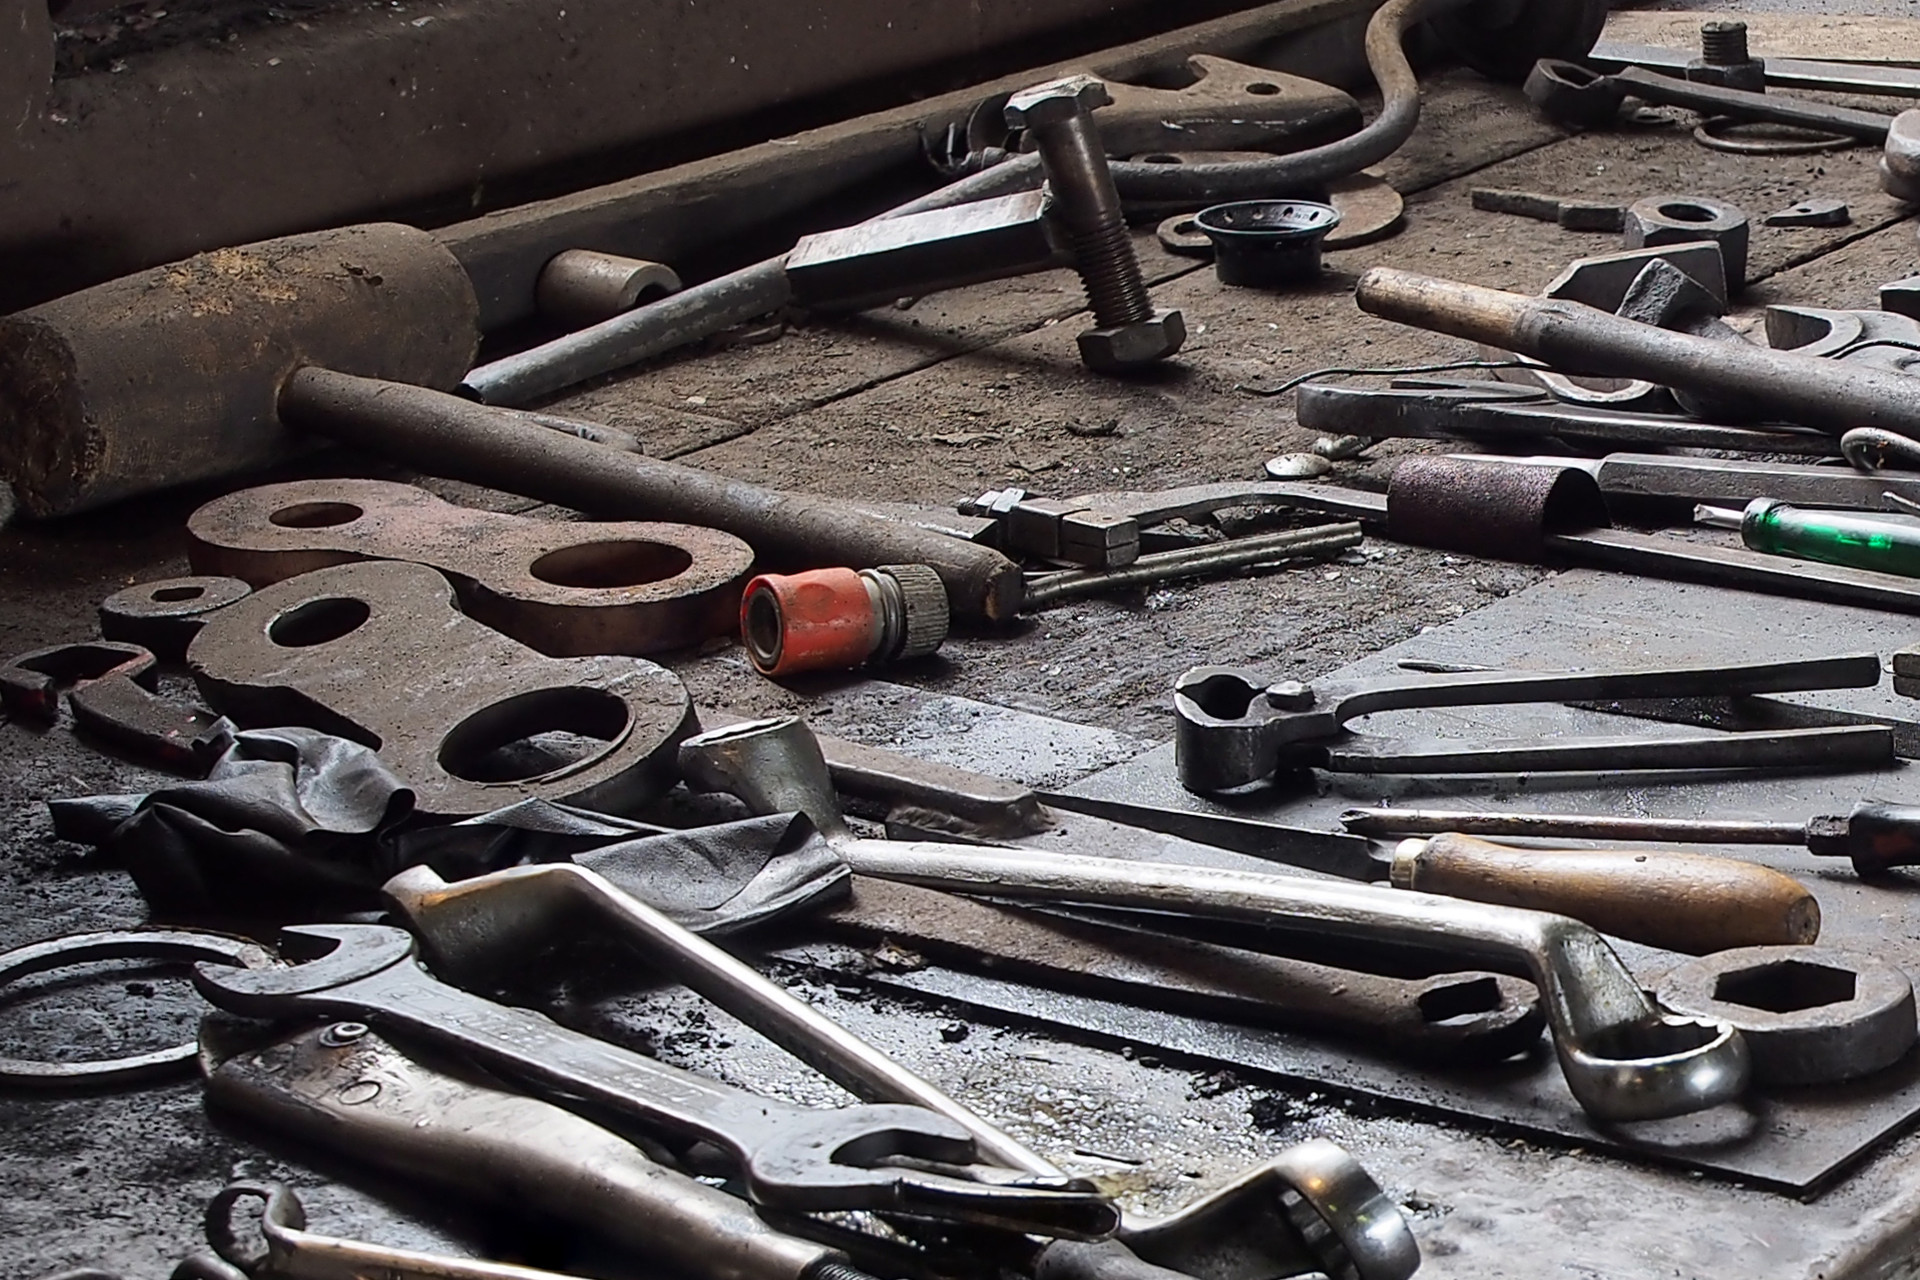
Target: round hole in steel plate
611,564
533,734
1263,88
315,515
316,622
1160,157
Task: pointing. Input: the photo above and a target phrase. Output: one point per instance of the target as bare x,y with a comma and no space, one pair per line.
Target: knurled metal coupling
1128,332
836,619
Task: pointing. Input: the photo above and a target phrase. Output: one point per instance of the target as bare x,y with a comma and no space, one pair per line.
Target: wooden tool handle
1679,901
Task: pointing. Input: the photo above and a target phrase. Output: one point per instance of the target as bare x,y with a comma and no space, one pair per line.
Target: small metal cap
923,606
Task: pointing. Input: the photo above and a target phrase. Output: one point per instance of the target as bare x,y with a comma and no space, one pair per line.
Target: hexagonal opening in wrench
1459,1000
627,563
315,515
534,734
1786,987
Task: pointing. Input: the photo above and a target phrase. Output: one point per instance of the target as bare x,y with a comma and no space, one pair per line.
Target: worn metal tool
1675,901
563,587
1573,338
1811,1015
1623,1059
291,1252
1876,836
175,946
1572,215
377,652
1573,95
112,689
448,436
481,924
351,1092
897,1158
1233,728
1045,590
1454,1017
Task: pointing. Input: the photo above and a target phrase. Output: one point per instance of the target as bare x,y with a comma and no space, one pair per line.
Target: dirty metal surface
959,393
567,588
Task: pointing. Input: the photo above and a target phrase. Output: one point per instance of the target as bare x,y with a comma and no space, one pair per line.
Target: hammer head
340,953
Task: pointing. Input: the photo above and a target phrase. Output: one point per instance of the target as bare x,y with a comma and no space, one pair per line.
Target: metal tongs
1233,728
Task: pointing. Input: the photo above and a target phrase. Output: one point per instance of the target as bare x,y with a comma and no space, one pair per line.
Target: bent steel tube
1623,1058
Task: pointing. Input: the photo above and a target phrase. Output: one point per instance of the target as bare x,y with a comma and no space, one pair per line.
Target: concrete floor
955,394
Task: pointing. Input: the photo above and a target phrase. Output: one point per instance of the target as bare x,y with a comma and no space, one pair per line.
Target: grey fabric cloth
294,824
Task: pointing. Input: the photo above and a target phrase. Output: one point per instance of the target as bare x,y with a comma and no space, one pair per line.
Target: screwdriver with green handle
1843,538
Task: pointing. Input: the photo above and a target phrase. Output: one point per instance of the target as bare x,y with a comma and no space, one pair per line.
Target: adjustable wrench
1623,1058
901,1159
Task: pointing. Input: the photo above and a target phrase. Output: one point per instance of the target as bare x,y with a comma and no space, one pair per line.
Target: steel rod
1559,826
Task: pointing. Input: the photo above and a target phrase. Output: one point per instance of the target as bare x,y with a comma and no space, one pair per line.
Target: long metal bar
1585,340
1188,562
1652,475
1793,73
1549,826
444,435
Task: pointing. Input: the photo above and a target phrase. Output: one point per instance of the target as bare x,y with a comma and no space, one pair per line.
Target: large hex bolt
1128,332
1724,59
1679,219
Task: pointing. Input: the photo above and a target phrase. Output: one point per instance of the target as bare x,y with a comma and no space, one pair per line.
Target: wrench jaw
918,1164
1312,1208
327,955
1232,728
1657,1068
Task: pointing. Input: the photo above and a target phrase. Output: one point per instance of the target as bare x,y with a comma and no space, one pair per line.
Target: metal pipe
1579,339
445,435
694,313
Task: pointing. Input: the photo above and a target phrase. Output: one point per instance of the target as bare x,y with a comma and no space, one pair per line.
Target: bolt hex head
1055,101
1129,346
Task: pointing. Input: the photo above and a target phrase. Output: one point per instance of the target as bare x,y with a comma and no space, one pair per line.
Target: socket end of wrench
1656,1069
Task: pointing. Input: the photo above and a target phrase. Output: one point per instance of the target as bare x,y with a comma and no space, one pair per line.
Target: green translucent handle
1832,537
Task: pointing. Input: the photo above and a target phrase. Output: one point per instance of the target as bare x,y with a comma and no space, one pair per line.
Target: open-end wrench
901,1159
1623,1058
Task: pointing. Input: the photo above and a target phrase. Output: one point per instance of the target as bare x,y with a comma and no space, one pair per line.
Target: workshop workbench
934,401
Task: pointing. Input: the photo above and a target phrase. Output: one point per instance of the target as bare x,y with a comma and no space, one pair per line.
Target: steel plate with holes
1798,1142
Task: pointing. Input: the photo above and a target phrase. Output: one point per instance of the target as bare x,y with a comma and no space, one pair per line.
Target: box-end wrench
1573,95
899,1159
1623,1058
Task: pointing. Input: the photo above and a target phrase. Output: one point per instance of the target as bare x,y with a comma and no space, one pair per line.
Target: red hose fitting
833,619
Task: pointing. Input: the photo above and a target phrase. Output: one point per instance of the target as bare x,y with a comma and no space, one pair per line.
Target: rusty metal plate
469,718
1228,106
566,588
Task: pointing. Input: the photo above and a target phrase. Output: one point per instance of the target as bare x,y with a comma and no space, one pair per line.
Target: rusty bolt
1127,331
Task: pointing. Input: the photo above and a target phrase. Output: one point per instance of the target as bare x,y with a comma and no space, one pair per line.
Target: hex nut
1749,76
1130,346
1055,101
1681,219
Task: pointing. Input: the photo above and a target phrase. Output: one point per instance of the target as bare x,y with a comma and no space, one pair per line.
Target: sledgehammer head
172,375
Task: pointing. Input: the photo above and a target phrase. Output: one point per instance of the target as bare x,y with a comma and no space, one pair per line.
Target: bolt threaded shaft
1111,275
830,1270
1723,44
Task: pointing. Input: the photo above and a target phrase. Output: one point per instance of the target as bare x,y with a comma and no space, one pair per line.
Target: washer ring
1816,142
179,946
